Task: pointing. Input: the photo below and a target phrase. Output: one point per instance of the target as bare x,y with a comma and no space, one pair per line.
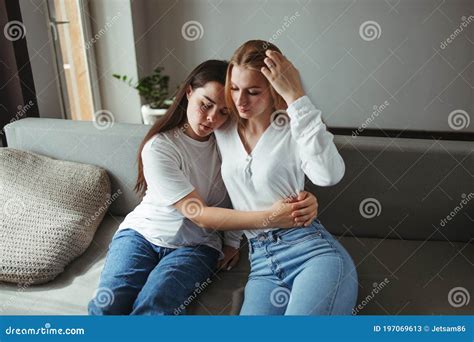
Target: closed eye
206,106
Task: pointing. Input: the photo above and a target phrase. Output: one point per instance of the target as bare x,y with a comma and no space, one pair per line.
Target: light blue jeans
299,271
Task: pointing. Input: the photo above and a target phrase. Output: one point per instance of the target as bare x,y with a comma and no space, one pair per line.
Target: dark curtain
17,90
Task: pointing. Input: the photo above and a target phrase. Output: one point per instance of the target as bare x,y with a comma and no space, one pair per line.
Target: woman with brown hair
169,242
277,138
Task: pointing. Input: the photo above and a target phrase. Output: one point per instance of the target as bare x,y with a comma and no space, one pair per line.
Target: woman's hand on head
283,76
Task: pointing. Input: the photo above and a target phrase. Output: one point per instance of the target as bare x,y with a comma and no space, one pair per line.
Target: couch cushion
71,291
420,276
51,211
411,189
395,277
112,147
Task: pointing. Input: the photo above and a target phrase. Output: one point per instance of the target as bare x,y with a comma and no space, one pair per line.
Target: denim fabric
299,271
140,278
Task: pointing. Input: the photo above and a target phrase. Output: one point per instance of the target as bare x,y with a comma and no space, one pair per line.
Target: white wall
115,53
344,74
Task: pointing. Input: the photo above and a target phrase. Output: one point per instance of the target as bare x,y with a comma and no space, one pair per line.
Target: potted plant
154,89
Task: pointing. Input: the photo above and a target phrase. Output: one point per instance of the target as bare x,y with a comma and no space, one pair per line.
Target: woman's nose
212,116
241,100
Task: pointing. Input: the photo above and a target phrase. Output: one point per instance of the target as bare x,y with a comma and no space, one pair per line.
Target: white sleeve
321,161
164,174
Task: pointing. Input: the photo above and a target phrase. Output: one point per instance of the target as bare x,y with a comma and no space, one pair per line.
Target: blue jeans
140,278
299,271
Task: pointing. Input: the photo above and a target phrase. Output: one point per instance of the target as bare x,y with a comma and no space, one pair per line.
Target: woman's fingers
275,55
304,219
233,262
302,212
302,195
307,202
267,73
270,63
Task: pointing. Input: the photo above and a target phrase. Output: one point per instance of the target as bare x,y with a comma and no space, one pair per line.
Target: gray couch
407,262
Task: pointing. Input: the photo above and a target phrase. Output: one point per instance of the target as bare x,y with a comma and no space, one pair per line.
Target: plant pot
150,115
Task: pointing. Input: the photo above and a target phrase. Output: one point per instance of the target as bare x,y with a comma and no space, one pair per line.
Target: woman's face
250,92
206,110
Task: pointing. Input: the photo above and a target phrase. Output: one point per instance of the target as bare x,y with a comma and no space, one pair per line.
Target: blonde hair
251,55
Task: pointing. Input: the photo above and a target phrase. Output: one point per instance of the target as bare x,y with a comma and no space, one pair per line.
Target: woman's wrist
293,97
265,218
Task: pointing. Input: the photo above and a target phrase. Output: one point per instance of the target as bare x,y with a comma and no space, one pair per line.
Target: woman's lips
204,127
243,110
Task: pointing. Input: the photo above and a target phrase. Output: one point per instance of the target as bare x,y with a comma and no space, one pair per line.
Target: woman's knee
107,302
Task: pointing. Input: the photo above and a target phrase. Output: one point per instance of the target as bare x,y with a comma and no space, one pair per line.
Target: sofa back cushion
412,189
417,182
113,147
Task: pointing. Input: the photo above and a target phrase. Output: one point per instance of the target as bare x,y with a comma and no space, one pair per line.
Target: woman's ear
189,91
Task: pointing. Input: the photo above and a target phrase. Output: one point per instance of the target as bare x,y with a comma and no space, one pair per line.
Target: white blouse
294,145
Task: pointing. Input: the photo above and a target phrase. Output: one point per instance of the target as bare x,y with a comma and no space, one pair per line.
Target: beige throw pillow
49,212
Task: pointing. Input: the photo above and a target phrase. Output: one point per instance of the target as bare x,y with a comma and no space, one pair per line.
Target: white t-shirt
174,165
294,145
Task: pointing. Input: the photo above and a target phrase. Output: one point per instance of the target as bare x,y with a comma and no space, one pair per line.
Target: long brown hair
208,71
251,55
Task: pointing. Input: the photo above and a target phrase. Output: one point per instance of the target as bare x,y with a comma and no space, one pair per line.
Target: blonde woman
277,138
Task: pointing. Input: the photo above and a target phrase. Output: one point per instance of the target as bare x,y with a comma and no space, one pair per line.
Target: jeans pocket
298,235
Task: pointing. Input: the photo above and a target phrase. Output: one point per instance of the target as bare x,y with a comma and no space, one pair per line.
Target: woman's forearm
229,219
195,209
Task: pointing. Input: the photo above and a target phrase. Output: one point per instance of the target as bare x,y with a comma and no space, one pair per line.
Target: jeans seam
338,283
341,266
